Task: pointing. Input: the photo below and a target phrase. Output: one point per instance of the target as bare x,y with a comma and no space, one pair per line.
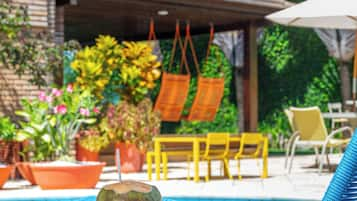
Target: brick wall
12,87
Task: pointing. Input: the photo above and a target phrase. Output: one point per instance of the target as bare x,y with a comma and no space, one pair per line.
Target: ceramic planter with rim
4,174
26,172
131,158
82,154
81,176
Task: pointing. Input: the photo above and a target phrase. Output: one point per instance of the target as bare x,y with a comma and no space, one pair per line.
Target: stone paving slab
303,183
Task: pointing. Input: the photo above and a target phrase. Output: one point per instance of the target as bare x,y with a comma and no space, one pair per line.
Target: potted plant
89,143
5,171
128,71
52,122
9,143
132,127
9,148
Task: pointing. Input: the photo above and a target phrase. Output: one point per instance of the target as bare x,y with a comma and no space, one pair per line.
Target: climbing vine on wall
24,51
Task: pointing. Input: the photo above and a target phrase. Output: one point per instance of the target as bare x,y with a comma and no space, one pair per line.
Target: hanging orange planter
4,174
209,90
174,87
131,158
83,154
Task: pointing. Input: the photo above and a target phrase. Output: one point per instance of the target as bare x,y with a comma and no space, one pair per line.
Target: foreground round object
129,191
50,176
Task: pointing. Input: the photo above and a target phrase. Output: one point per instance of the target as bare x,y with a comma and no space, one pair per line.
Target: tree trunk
345,82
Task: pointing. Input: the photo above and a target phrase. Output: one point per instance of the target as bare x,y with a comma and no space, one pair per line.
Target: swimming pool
93,198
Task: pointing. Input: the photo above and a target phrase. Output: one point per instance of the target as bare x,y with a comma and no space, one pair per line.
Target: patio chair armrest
333,133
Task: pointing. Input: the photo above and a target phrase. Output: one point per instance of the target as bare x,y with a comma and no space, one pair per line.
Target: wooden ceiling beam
66,2
130,19
90,36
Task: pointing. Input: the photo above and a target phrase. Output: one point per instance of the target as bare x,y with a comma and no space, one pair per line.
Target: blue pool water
92,198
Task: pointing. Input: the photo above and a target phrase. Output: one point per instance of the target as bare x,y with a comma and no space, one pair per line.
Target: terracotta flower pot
26,172
131,158
83,176
82,154
4,174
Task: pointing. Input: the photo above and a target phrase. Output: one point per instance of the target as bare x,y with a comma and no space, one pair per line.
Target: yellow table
196,140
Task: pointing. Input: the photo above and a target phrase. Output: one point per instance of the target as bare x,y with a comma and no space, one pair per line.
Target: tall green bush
294,70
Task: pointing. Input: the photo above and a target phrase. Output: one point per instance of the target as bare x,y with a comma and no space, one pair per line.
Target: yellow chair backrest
309,123
251,139
217,139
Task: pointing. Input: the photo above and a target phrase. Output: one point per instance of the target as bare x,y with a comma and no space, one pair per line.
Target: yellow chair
164,157
149,156
336,107
249,139
216,140
310,131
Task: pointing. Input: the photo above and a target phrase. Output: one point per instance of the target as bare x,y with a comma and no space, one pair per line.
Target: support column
59,25
250,78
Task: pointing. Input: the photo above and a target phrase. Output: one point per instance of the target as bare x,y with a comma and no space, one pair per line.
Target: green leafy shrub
93,140
226,117
130,123
294,70
7,129
52,121
24,51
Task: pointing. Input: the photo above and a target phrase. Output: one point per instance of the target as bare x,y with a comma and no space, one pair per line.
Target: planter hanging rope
174,87
209,90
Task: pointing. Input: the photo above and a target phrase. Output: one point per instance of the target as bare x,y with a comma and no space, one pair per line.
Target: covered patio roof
84,20
129,19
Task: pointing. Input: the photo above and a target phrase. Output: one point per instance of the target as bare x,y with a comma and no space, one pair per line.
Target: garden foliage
294,70
127,71
26,52
93,140
134,124
7,129
216,66
53,119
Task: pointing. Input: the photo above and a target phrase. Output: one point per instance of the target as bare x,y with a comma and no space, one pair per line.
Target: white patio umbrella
330,14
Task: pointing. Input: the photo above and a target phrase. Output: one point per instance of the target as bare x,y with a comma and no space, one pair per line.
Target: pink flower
96,110
60,109
56,92
49,99
42,96
84,111
70,88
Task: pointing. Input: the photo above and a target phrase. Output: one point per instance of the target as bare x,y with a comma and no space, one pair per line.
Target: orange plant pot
26,172
131,158
4,174
67,177
82,154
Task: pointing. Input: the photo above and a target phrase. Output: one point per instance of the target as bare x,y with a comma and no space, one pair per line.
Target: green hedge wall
294,70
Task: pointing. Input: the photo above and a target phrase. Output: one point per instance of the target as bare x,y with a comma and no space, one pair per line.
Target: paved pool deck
303,183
